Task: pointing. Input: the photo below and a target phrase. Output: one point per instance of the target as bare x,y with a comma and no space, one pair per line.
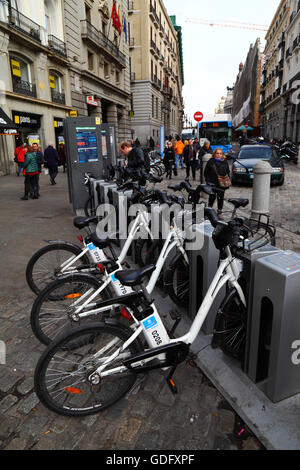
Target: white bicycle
90,368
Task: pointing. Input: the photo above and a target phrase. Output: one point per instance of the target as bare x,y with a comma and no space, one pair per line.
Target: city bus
189,133
218,130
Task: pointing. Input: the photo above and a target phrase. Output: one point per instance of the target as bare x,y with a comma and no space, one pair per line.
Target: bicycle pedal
172,386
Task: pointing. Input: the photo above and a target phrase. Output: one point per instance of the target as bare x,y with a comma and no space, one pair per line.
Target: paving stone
8,427
201,423
147,441
251,444
223,443
19,443
7,403
28,404
142,406
129,429
165,396
45,443
35,425
9,379
26,386
226,421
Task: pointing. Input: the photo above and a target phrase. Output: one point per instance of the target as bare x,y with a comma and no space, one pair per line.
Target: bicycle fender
116,324
73,245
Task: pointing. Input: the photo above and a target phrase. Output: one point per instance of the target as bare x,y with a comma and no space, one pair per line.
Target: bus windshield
219,136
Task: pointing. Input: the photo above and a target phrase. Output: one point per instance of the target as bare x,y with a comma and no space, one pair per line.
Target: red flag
116,19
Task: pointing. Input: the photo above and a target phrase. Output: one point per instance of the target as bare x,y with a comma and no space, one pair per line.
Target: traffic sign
198,116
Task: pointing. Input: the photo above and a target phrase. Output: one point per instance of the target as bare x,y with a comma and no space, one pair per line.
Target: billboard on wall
247,90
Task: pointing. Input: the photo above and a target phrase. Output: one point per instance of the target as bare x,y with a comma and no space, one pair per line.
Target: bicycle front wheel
62,374
230,327
46,264
50,318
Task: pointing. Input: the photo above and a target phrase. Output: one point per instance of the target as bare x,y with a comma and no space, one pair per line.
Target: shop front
29,126
59,131
8,130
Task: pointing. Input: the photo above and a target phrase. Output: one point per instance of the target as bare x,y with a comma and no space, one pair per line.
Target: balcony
97,38
156,82
24,88
161,30
153,15
23,24
57,46
58,97
288,53
154,49
161,59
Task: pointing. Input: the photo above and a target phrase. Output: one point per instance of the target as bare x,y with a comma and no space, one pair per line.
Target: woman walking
216,167
169,159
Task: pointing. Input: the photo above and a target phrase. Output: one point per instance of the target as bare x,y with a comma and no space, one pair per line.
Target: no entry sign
198,116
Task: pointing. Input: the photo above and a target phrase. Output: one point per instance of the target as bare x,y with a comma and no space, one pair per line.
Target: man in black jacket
134,156
189,155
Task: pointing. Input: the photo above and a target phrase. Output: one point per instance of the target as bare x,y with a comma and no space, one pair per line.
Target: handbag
175,171
224,181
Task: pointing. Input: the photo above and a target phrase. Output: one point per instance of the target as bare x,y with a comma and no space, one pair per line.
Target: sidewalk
201,416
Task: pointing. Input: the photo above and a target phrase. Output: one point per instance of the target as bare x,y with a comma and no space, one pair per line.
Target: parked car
249,156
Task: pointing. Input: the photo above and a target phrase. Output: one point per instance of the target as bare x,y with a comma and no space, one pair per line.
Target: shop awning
7,127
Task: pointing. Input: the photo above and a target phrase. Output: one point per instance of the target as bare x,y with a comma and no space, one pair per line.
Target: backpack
146,160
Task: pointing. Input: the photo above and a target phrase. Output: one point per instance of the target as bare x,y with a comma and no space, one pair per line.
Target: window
104,28
156,108
90,61
106,70
20,69
117,77
153,106
55,81
87,13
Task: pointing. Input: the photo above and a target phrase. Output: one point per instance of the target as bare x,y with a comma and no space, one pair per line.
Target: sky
212,55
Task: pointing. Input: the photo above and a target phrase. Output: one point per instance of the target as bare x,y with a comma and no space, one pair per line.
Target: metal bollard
261,189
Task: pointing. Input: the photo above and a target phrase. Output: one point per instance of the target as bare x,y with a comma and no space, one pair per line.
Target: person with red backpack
19,154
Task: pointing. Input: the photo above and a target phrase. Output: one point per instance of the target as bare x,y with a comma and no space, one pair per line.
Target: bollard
261,189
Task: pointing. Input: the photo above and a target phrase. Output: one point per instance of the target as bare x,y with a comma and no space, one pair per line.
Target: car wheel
281,182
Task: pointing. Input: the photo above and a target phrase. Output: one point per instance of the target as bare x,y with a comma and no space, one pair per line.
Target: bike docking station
263,388
90,148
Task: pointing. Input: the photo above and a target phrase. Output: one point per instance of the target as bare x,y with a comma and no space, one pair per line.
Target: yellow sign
73,113
55,124
17,119
98,121
52,81
16,68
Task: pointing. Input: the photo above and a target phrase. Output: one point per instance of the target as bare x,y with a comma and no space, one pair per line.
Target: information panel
86,139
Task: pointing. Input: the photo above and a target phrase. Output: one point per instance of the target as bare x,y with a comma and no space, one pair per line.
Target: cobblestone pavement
150,417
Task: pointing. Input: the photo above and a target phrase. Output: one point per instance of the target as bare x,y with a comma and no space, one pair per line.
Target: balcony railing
98,38
154,14
57,46
24,88
58,97
23,24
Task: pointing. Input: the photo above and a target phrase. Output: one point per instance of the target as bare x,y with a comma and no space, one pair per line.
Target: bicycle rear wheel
177,281
45,265
62,374
50,318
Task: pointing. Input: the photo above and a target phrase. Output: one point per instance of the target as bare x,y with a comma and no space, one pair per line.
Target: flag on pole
125,29
116,19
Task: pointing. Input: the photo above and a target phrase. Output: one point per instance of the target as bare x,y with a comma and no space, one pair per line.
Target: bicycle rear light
80,238
125,314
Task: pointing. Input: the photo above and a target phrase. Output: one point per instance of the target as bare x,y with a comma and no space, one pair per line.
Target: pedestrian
189,155
151,143
169,159
216,166
31,171
51,162
134,156
206,149
62,156
137,142
179,147
40,160
19,154
197,148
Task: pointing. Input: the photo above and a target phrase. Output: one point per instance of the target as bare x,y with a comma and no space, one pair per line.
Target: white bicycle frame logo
2,353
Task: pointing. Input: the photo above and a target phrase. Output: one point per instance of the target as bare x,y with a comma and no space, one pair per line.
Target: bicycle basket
258,233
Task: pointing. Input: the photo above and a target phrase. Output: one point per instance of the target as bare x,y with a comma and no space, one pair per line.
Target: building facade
273,73
246,93
156,67
99,61
34,74
291,77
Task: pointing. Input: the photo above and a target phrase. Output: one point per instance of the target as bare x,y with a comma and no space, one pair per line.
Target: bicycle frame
227,272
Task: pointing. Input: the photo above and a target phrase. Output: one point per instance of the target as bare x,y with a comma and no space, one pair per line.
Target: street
150,417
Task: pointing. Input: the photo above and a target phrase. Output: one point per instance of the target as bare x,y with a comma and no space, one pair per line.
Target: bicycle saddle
239,202
130,277
82,222
103,242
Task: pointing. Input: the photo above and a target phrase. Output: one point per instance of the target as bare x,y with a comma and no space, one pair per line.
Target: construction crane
228,24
